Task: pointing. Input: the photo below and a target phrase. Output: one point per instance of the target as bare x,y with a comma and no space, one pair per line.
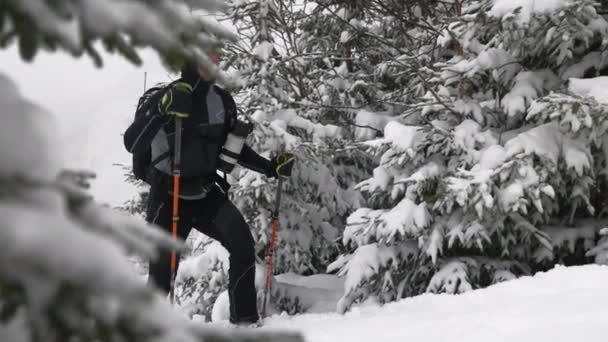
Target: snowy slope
565,304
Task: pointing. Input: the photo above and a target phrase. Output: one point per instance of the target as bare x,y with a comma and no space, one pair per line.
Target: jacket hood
189,73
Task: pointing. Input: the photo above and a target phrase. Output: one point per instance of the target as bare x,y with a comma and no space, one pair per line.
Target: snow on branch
283,119
405,219
526,8
366,264
168,26
547,140
462,274
600,251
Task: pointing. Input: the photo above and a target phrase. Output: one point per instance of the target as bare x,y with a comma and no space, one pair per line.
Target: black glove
282,165
177,101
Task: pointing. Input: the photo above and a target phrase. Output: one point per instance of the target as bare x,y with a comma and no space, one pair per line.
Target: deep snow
565,304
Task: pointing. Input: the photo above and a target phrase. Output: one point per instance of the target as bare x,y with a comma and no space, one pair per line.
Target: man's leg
160,212
229,227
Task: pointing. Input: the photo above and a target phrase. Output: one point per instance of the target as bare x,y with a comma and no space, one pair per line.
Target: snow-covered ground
565,304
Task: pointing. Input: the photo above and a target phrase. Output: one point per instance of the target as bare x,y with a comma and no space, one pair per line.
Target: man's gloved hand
177,101
282,165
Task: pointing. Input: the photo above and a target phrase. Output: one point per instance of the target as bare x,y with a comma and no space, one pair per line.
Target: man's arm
279,166
248,157
253,161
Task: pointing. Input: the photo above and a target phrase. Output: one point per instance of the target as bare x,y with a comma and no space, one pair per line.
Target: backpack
147,105
139,136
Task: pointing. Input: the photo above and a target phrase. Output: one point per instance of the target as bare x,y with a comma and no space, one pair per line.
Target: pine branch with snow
121,25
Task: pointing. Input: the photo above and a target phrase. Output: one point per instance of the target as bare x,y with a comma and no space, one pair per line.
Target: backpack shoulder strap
229,107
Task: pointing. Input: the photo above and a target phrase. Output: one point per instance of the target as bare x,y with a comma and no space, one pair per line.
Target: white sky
93,107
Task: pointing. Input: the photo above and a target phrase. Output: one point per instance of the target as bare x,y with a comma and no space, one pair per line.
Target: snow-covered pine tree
502,152
63,269
324,63
316,66
281,80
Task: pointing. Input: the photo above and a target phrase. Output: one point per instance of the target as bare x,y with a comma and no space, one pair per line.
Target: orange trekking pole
177,148
275,226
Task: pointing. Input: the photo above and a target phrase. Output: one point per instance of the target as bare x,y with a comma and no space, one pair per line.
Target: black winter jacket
212,114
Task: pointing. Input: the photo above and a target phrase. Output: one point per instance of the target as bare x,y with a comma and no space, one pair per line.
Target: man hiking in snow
212,139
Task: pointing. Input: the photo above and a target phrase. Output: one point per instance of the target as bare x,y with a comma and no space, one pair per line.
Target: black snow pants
216,217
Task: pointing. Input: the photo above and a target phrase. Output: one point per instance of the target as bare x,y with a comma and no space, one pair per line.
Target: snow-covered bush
503,150
600,252
201,277
64,273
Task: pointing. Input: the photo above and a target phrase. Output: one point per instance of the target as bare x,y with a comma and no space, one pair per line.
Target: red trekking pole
176,174
275,226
